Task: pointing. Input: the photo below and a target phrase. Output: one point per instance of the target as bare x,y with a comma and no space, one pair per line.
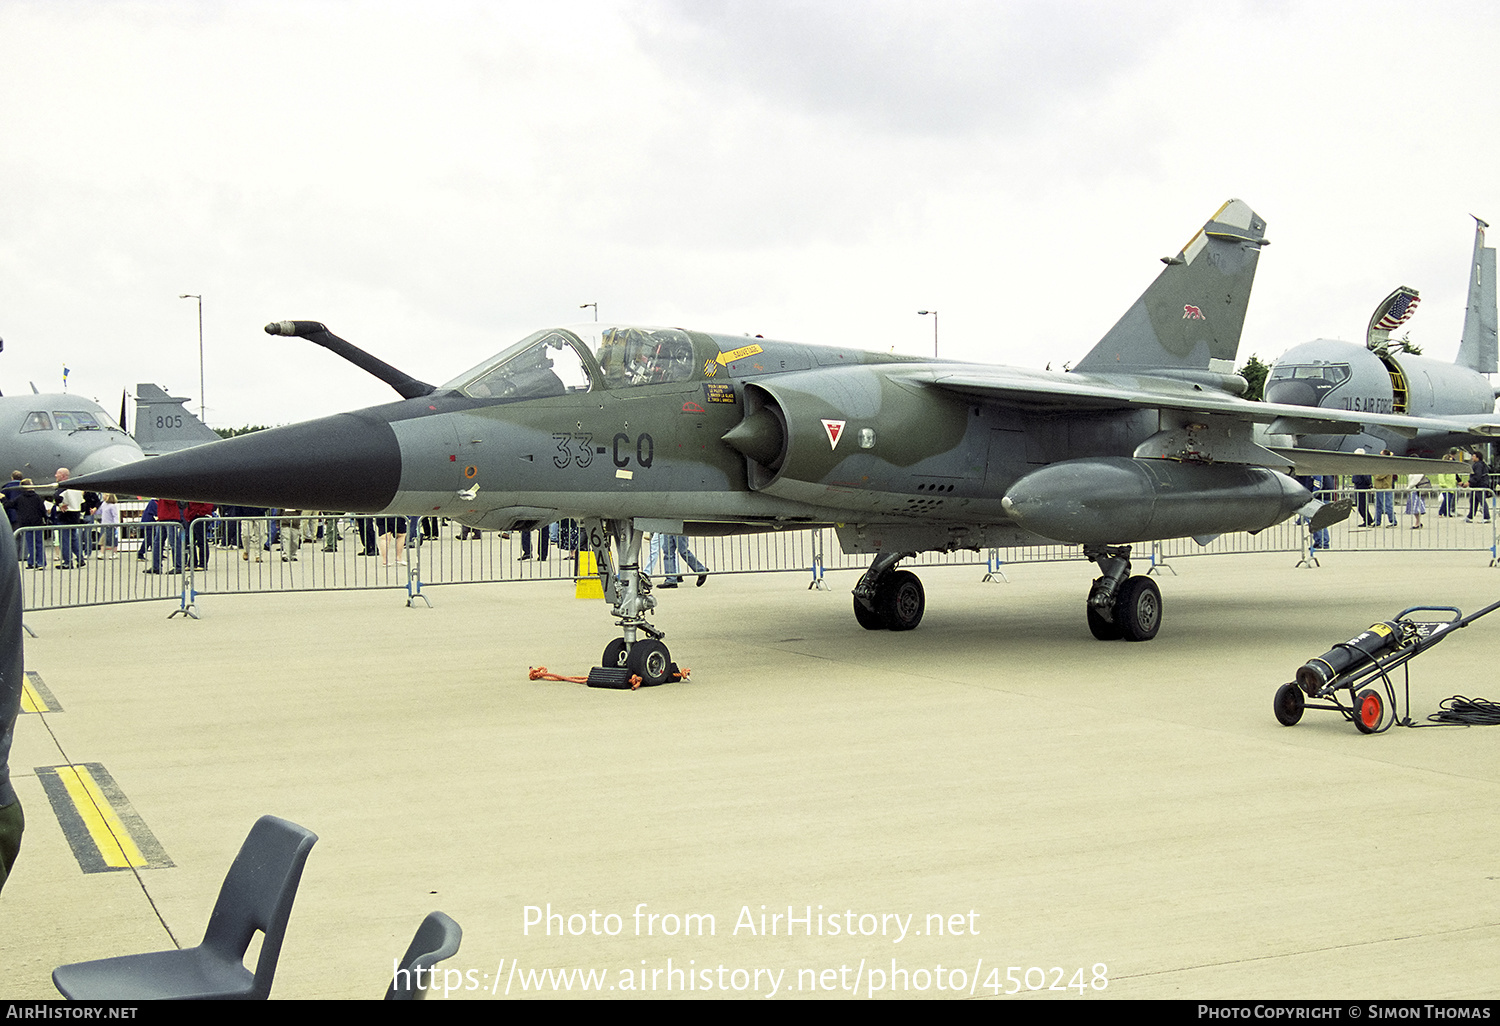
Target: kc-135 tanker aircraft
1381,377
633,429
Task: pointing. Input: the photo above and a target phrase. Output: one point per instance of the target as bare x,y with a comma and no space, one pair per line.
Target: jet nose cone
349,462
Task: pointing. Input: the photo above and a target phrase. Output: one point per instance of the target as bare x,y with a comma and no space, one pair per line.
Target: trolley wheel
1289,704
1369,710
614,655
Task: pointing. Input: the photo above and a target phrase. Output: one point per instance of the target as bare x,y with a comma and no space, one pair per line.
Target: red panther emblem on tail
1191,312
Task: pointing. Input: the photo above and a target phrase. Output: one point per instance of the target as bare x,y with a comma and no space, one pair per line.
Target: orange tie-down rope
542,673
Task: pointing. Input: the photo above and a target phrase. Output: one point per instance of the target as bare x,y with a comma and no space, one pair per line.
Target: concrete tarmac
994,802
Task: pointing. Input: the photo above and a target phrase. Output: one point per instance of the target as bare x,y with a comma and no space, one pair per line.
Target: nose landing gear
629,657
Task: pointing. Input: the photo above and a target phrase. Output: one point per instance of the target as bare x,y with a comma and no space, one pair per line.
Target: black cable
1467,712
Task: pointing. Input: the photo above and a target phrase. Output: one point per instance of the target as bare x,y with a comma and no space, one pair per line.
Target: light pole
202,400
924,313
585,306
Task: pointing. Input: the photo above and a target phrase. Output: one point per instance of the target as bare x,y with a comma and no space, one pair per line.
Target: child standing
109,516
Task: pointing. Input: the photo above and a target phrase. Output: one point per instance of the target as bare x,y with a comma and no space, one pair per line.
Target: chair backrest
257,895
437,938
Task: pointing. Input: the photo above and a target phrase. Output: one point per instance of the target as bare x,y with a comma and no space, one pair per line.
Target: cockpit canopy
559,361
644,356
1305,384
63,420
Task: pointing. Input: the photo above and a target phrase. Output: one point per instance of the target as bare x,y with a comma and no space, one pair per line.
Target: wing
1187,393
1311,462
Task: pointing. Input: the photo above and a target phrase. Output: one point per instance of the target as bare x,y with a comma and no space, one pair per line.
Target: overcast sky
434,181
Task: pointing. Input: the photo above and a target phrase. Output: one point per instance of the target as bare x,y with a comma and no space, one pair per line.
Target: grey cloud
913,68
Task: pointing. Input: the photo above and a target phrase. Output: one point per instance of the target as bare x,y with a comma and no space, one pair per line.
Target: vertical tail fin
1194,311
1479,350
163,423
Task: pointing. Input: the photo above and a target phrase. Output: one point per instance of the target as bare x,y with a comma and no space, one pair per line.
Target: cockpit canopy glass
644,356
64,420
1332,373
548,363
551,362
75,420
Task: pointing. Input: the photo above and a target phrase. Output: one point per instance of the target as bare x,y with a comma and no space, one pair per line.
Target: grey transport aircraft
44,431
1379,377
634,429
41,432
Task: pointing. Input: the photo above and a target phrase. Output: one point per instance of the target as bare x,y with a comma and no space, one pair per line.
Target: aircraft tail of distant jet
1192,315
163,423
1479,350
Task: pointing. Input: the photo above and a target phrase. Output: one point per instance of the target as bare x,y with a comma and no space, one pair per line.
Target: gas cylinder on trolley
1361,650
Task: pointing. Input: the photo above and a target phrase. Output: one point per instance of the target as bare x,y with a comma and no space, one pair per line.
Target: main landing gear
889,599
1121,606
629,592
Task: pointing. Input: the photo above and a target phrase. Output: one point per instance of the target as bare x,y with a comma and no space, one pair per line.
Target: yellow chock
587,585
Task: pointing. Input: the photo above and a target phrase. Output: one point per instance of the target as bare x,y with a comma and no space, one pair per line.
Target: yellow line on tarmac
36,697
115,844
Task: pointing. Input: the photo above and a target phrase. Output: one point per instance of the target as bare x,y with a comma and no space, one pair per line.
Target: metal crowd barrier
259,555
1440,531
96,573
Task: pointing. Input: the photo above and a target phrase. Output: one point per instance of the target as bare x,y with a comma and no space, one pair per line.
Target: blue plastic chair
257,895
437,938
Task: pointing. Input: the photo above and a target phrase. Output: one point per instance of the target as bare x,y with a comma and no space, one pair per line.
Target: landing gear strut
889,599
629,592
1121,606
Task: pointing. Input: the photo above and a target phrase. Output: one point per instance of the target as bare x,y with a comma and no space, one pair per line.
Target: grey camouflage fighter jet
1379,377
632,429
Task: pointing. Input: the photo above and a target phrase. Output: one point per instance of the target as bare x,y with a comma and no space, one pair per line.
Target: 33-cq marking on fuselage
565,454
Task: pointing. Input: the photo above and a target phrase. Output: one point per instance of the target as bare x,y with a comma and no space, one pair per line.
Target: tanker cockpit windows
644,356
75,420
548,363
36,422
1323,377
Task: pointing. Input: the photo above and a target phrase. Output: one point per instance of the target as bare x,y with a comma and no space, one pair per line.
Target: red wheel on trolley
1369,710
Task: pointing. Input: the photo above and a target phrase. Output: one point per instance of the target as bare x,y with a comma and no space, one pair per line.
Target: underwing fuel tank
1112,500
